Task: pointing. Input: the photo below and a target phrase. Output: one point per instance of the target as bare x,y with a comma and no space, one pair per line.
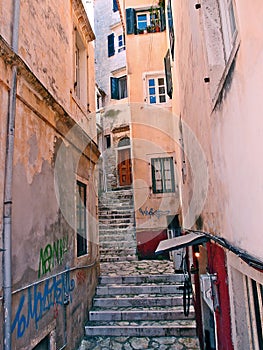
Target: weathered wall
105,25
52,289
226,119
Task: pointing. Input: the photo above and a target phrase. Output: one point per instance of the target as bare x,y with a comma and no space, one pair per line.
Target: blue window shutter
130,20
115,6
111,49
163,22
114,82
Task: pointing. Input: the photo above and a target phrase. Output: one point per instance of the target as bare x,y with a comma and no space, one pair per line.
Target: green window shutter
130,20
114,82
111,49
163,21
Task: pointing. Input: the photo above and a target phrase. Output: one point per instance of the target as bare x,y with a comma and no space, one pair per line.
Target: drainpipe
7,211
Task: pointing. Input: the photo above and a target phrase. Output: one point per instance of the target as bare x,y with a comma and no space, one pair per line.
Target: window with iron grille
81,218
162,175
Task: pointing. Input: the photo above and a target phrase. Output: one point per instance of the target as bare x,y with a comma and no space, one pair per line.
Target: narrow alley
131,192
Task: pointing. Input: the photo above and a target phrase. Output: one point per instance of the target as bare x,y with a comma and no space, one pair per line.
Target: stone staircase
117,226
141,306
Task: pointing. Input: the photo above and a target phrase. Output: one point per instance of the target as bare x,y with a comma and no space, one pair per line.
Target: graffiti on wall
40,298
52,255
153,212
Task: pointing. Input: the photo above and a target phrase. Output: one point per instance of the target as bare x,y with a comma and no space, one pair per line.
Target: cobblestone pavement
144,267
135,267
135,343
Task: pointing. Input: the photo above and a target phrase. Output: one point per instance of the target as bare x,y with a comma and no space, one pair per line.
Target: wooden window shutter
130,20
114,88
115,6
111,49
163,21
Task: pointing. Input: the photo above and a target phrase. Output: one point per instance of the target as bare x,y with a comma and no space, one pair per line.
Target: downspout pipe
7,211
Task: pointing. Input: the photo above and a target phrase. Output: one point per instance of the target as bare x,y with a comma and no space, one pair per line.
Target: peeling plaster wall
45,268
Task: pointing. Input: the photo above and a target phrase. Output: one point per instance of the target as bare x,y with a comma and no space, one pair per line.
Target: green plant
161,3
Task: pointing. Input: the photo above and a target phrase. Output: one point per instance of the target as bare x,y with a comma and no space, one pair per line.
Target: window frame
132,20
220,57
82,229
80,71
117,92
163,177
121,42
254,292
157,88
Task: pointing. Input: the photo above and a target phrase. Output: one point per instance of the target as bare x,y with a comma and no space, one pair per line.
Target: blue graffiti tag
36,303
152,212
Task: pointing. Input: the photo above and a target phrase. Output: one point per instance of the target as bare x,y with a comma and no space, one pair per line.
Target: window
80,70
156,90
121,43
77,71
119,88
220,33
107,141
81,217
115,6
142,21
229,27
152,20
162,175
255,311
43,345
111,48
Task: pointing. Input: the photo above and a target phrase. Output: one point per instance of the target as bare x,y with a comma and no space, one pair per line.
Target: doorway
124,162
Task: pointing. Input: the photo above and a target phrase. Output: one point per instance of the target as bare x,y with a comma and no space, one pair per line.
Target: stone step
114,258
179,328
159,289
139,279
117,232
116,217
116,220
136,314
121,244
115,226
138,301
115,208
108,237
117,194
118,250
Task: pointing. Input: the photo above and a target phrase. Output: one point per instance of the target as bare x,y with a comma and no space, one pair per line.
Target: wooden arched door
124,167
